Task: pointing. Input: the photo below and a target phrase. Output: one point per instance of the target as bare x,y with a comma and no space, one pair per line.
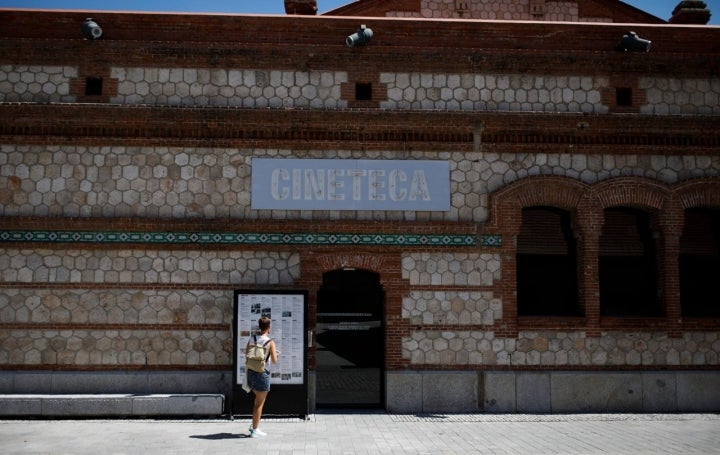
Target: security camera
91,30
359,38
631,42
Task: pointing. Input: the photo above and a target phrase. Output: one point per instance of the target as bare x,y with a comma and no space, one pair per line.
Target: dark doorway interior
350,340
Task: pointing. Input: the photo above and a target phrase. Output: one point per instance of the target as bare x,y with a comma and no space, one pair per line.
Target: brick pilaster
671,220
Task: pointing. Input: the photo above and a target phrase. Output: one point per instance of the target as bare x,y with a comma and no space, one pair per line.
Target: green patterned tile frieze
491,240
248,238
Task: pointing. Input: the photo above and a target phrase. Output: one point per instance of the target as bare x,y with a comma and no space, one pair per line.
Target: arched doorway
350,354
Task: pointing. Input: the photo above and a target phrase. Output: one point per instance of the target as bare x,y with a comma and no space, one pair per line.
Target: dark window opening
93,86
623,96
628,265
363,92
547,282
700,263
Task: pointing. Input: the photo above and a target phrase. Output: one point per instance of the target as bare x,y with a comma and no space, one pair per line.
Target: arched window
700,263
546,264
628,265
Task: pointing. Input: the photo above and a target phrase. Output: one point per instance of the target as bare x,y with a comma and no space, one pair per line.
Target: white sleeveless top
261,339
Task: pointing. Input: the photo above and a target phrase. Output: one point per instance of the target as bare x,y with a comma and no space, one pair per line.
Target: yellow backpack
256,355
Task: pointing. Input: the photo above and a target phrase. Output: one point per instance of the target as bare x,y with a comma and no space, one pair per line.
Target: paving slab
349,433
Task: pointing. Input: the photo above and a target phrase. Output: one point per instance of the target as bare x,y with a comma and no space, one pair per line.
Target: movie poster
287,314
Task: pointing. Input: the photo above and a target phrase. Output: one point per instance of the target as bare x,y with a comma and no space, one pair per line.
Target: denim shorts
258,381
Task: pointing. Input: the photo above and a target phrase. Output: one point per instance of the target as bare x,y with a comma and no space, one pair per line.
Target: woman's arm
273,352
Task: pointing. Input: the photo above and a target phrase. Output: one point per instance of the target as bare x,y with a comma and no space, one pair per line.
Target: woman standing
260,382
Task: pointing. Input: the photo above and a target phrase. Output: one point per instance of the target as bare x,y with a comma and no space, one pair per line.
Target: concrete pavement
374,433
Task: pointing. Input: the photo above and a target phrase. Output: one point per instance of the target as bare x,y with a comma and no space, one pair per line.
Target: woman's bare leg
258,407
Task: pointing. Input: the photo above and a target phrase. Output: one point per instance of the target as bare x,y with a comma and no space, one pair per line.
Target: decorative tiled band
249,238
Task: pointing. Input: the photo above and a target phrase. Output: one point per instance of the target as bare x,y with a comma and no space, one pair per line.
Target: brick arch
637,192
369,262
703,192
389,268
507,203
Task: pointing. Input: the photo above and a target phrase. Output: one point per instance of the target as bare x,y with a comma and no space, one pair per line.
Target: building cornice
103,124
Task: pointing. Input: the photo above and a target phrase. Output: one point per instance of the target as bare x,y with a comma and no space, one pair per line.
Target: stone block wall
154,307
107,348
147,267
39,84
251,88
277,88
451,307
451,269
483,92
113,306
170,182
561,349
135,309
213,183
681,96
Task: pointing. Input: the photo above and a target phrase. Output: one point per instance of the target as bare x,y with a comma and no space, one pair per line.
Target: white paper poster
286,311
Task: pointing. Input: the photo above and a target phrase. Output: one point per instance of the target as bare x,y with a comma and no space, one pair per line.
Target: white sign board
286,311
300,184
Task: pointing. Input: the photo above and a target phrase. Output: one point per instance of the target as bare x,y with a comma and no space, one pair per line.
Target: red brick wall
372,129
223,39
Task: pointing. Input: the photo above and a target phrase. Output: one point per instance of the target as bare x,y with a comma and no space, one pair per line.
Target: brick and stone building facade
573,268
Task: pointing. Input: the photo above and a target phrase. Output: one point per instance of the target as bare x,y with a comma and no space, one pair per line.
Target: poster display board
288,378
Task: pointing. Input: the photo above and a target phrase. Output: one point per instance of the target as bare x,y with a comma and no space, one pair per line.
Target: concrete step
111,405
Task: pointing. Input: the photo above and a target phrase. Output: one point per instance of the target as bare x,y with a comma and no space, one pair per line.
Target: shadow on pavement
220,436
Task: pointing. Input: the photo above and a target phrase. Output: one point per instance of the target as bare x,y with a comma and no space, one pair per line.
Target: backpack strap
268,354
248,343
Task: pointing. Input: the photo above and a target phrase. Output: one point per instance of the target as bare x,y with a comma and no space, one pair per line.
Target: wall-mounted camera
359,38
630,42
91,30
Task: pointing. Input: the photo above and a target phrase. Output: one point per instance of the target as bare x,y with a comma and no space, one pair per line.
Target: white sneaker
256,433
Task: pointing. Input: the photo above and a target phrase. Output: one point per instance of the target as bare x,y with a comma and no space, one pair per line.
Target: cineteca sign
300,184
